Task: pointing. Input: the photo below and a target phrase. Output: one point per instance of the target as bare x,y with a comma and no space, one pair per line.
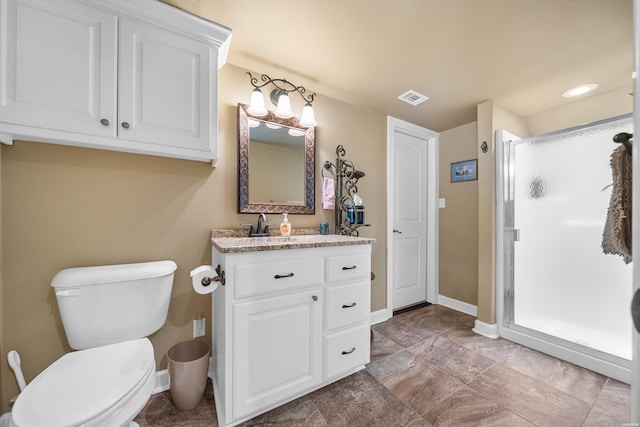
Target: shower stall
557,291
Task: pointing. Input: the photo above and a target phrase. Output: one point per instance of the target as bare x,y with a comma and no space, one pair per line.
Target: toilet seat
86,387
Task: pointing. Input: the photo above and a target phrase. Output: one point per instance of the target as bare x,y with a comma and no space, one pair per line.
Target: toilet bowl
106,312
103,386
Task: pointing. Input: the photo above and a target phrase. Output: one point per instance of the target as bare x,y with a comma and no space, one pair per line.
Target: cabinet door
277,350
165,89
58,66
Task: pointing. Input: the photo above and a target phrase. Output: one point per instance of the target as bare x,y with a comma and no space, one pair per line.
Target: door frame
635,238
399,126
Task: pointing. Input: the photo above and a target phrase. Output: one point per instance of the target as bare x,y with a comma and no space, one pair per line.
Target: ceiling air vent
412,97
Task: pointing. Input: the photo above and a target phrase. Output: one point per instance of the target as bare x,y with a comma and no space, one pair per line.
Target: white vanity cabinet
113,74
287,322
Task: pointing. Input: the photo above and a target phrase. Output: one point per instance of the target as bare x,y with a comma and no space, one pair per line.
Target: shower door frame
506,236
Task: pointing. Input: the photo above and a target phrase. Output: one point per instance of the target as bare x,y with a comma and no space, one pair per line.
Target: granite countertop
229,241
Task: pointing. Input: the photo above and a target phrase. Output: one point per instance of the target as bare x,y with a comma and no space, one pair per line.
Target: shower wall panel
564,285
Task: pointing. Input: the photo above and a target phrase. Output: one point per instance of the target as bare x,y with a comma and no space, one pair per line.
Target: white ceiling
521,53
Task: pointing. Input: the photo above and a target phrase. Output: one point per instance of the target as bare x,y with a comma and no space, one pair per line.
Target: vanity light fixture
280,98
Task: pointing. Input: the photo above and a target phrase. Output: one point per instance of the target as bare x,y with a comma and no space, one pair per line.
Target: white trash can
188,369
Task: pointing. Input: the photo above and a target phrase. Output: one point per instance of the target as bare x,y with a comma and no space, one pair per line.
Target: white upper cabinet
58,70
138,76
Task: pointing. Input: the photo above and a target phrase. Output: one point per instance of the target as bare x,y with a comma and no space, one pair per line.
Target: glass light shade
257,107
307,120
254,123
283,109
295,132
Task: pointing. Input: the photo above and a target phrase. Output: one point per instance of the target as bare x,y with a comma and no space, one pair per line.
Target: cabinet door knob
125,125
349,351
315,298
104,122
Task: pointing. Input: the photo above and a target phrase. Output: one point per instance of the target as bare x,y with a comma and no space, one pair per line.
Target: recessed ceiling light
579,90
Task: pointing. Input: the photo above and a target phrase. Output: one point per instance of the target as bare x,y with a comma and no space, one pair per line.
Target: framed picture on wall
464,171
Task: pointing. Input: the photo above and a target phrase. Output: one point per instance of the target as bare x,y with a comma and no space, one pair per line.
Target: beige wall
458,263
610,104
67,206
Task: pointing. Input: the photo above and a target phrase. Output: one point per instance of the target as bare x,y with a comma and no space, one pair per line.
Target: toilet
107,312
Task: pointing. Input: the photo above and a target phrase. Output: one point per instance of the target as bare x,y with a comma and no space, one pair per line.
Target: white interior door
412,198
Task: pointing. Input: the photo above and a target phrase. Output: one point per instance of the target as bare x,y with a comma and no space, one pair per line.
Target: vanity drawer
256,279
346,305
348,268
346,350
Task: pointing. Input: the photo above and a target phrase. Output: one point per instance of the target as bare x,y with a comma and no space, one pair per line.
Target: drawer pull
353,267
353,304
349,351
277,276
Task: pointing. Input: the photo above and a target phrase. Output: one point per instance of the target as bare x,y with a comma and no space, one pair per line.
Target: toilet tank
113,303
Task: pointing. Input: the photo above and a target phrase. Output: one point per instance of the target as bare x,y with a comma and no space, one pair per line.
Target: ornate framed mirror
276,164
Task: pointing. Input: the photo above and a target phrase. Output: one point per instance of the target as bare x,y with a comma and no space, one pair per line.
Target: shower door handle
516,233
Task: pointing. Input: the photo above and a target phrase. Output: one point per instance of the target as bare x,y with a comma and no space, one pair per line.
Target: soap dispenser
285,227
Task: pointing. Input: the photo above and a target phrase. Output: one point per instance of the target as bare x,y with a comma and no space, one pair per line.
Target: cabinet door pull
277,276
353,304
315,298
353,267
104,122
125,125
349,351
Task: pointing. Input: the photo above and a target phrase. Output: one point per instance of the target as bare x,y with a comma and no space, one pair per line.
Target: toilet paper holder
206,281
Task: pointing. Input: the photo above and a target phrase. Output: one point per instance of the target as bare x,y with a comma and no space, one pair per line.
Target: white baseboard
379,316
489,330
461,306
162,381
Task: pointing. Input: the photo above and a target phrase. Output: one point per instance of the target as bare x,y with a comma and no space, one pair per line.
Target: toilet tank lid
83,276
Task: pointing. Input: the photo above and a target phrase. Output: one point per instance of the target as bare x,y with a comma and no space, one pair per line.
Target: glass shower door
559,284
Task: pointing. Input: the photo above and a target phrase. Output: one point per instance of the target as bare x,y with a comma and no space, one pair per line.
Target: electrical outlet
199,327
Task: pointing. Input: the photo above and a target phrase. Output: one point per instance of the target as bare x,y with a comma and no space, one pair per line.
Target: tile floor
429,369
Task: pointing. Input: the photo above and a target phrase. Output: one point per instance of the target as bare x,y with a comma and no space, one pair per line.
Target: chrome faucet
259,231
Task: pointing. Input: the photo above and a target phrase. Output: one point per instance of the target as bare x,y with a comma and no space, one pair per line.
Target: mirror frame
244,206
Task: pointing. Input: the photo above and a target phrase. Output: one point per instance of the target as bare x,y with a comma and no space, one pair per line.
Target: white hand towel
328,194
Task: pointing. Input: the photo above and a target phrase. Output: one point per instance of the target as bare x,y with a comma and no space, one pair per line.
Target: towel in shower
328,194
616,238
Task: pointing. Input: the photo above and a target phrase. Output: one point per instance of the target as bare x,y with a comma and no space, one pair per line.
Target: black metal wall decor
347,177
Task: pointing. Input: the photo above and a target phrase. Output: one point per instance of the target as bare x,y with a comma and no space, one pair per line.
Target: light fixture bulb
254,123
307,120
579,90
283,110
257,108
296,132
